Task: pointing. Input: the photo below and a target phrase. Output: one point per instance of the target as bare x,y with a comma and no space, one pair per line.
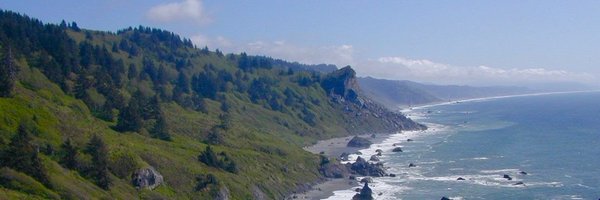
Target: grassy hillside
155,100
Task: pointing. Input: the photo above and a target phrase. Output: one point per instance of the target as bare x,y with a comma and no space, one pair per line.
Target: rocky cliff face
344,90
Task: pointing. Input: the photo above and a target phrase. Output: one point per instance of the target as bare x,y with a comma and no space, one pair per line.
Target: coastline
432,104
343,188
334,147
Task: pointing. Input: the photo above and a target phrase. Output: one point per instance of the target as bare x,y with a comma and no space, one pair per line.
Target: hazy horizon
461,42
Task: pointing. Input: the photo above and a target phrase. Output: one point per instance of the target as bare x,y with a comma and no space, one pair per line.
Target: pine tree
209,157
69,159
161,129
8,75
99,169
22,155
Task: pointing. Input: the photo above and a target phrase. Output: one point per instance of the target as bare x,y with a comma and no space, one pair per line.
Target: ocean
549,145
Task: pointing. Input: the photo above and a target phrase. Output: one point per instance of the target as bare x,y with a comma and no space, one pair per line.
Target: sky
471,42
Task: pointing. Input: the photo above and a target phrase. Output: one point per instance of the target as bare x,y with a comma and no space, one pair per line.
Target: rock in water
397,149
445,198
146,178
366,180
523,173
412,165
460,179
365,193
506,176
362,167
374,158
359,142
344,156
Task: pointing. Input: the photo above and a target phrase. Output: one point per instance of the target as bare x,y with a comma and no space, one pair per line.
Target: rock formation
146,178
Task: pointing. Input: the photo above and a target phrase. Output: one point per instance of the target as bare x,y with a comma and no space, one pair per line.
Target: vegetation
112,103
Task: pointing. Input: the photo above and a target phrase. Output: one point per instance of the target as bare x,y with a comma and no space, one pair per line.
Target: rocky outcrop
344,156
374,158
333,169
146,178
365,193
223,194
359,142
507,177
366,180
343,89
397,149
362,167
258,194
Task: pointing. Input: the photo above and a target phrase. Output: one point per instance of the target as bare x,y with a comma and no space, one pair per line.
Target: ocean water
554,138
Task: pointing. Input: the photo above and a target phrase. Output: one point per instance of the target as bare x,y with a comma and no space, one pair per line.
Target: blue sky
446,42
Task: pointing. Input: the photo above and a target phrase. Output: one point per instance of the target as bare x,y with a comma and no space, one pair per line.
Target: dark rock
381,193
506,176
397,149
146,178
357,190
392,175
373,136
362,167
519,183
359,142
523,173
344,156
460,179
333,169
409,140
445,198
374,158
358,153
352,177
378,154
412,165
366,180
365,193
378,150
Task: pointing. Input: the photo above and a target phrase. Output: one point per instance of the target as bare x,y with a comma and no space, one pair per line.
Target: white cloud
430,71
187,10
396,68
340,55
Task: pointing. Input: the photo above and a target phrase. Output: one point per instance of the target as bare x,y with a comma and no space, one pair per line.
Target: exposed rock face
343,89
397,149
334,170
146,178
223,194
258,194
507,177
365,193
359,142
362,167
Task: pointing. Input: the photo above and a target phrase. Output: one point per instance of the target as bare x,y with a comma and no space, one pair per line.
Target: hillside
394,93
143,113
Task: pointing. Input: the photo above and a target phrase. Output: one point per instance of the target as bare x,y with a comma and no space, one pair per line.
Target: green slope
73,84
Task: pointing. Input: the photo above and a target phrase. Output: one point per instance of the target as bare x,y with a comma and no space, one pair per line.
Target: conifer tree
99,169
161,129
69,159
22,155
8,75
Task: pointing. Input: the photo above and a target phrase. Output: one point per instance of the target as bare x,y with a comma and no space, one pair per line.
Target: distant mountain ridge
402,93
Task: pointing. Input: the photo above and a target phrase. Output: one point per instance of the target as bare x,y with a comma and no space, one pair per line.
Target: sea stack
365,193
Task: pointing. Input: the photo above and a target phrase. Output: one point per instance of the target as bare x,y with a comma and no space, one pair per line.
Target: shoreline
334,147
404,109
